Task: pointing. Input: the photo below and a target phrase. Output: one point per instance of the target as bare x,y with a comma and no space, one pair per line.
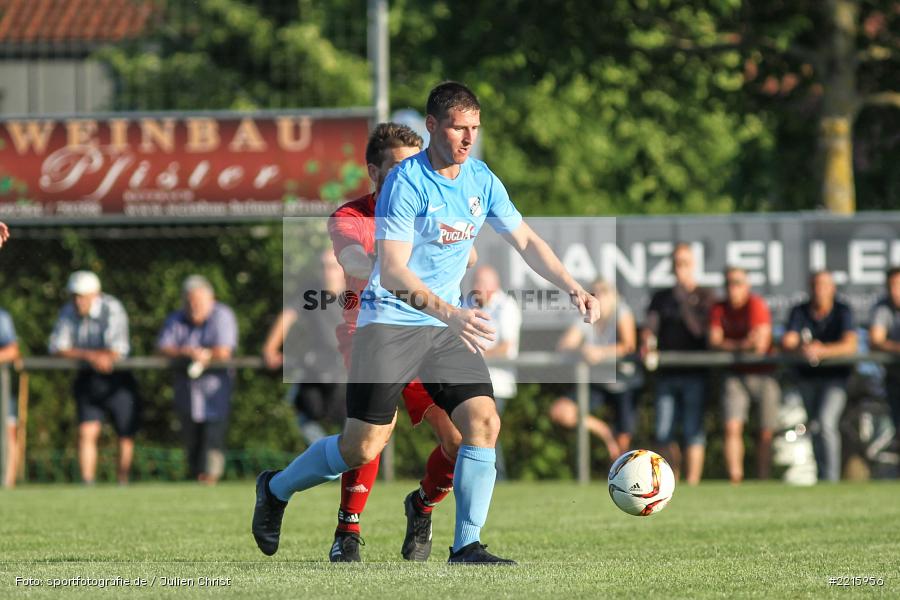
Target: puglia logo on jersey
458,232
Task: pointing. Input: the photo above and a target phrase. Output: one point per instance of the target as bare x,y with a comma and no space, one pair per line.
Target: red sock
438,480
356,485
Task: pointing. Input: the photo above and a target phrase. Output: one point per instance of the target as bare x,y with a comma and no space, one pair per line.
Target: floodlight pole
379,53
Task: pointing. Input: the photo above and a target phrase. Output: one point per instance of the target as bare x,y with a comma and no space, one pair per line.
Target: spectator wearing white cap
202,331
93,328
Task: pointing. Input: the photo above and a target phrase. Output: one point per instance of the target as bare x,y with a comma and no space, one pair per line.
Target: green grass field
762,540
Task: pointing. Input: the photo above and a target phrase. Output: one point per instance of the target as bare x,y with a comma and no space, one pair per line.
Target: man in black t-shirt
678,319
818,329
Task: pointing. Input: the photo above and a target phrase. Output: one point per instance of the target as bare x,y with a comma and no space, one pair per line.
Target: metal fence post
5,399
582,379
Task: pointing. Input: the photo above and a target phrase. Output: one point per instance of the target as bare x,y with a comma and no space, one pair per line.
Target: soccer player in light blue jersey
412,323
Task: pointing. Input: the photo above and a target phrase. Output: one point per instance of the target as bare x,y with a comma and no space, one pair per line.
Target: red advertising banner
175,165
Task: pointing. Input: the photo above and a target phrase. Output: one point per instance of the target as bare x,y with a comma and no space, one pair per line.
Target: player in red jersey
352,230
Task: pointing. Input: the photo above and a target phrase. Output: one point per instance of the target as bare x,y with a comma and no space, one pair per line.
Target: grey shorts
739,389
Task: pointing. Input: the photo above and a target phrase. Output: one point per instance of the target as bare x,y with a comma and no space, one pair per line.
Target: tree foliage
601,107
810,64
234,54
585,111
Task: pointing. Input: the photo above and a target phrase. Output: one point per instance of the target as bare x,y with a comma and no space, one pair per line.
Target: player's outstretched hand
586,304
471,325
4,233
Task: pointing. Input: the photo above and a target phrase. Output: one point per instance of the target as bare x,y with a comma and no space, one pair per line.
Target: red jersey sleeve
346,228
759,312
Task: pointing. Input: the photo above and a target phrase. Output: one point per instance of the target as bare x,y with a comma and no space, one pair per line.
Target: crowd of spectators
92,327
688,318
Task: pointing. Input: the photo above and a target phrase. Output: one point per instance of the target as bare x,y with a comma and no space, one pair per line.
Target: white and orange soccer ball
641,482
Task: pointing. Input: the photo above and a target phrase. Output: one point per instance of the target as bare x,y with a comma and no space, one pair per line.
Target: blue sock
320,462
473,486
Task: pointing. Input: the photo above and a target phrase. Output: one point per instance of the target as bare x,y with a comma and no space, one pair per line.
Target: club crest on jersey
475,206
458,232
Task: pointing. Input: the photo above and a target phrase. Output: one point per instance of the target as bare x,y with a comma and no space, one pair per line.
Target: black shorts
113,395
321,401
387,357
199,439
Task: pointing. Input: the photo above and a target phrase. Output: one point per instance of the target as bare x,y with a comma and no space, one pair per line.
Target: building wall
42,86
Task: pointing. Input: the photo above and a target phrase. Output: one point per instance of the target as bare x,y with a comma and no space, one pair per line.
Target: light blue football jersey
441,217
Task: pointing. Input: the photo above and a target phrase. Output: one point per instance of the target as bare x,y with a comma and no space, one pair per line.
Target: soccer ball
641,482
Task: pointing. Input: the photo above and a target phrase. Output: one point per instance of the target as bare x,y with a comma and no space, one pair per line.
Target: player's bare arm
540,257
470,324
356,263
4,233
